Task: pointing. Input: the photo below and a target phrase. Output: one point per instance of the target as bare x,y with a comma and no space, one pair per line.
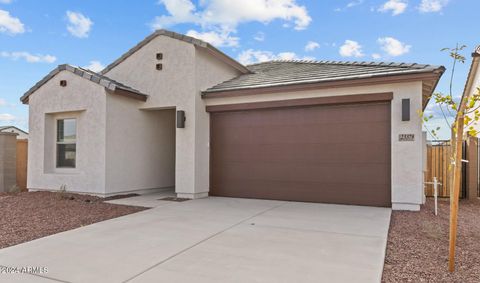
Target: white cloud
3,102
286,56
30,58
219,39
260,36
10,24
227,13
351,49
181,11
312,45
393,47
95,66
431,6
354,3
376,56
397,7
79,25
251,56
5,117
349,5
5,1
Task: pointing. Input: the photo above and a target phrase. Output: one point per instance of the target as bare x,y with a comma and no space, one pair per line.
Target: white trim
192,195
405,206
65,170
139,191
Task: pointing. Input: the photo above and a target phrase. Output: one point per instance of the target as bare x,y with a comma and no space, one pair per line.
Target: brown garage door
332,154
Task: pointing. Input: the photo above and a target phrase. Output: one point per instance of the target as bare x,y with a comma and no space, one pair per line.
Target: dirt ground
26,216
417,249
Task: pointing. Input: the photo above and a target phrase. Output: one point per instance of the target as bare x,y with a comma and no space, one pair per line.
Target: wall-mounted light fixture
181,119
63,83
406,109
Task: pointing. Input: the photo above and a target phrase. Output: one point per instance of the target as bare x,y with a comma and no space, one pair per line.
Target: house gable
109,84
190,40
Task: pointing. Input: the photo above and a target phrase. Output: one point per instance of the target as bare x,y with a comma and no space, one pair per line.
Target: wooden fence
22,157
438,162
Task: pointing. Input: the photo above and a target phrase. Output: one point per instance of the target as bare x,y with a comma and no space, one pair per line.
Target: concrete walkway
215,240
147,200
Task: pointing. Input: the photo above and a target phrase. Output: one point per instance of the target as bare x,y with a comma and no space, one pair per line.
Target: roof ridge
354,63
189,39
12,126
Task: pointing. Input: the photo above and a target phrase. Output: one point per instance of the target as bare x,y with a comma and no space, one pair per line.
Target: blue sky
36,36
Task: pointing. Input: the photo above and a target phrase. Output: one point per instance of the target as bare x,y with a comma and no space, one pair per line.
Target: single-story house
175,112
21,134
472,86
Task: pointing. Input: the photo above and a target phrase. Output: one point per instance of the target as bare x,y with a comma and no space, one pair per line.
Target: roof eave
436,80
343,82
108,85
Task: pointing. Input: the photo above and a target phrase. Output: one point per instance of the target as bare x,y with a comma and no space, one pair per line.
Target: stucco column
191,152
407,158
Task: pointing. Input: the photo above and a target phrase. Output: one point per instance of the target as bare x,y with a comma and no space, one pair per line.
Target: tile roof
86,74
2,128
283,73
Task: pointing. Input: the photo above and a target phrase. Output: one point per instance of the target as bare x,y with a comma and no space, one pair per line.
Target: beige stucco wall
407,157
140,146
475,83
186,71
80,99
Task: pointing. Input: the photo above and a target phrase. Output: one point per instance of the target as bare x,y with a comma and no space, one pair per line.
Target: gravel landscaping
26,216
417,248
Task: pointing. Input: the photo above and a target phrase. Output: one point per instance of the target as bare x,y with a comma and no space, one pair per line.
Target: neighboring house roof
3,128
196,42
102,80
274,75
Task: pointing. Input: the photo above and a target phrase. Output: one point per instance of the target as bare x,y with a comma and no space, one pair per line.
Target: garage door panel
308,115
336,154
302,191
312,133
307,153
367,173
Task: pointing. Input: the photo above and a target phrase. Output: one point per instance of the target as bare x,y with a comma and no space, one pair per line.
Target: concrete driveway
215,240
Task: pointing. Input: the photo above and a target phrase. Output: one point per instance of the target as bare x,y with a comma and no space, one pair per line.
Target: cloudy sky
36,36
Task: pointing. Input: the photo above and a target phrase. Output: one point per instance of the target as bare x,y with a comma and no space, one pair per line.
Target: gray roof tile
281,73
9,127
86,74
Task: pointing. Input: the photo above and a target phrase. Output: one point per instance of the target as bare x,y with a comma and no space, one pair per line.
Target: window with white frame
66,143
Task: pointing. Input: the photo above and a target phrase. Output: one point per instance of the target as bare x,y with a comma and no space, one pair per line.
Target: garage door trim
376,101
328,100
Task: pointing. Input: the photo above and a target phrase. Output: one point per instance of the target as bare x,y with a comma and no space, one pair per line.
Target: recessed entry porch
141,153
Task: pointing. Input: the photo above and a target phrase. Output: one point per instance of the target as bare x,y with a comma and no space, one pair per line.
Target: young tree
461,117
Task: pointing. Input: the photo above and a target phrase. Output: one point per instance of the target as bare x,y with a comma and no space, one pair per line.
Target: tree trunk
457,140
